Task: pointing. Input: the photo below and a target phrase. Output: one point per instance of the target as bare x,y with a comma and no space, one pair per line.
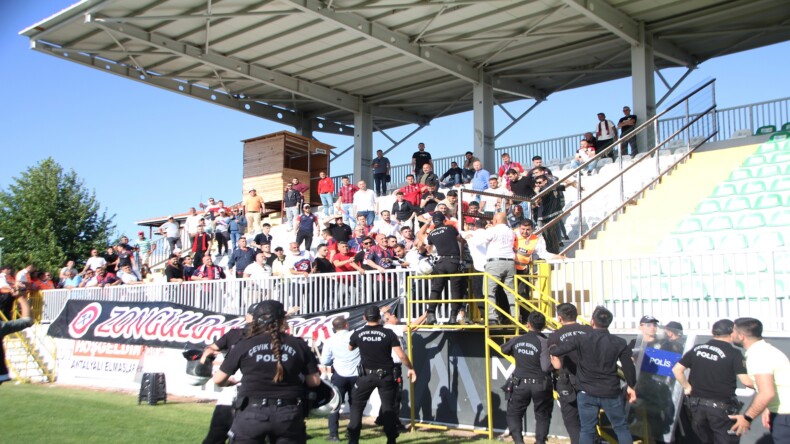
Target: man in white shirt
129,276
23,276
298,262
386,226
605,133
340,364
769,369
258,269
170,230
500,263
494,204
365,203
191,224
94,262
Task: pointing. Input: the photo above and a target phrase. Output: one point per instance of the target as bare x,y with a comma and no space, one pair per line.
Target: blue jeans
370,216
468,175
234,237
327,201
348,219
455,179
588,415
290,214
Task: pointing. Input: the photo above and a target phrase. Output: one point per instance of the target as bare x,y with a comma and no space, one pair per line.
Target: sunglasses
367,243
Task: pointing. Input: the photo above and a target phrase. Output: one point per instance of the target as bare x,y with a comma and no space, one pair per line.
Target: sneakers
333,438
430,319
453,318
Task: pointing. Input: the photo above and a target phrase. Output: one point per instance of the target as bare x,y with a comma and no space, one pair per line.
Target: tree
48,216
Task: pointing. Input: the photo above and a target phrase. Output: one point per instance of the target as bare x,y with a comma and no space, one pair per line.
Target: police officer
222,418
568,366
715,366
275,367
531,380
445,239
375,345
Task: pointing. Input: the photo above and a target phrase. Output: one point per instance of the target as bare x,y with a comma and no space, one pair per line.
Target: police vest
524,250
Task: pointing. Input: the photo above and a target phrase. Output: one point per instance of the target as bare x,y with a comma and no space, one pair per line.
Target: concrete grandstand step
640,229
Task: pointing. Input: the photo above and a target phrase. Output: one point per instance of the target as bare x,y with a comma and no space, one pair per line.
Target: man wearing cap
446,240
375,345
715,366
170,230
253,210
144,249
306,225
648,326
339,364
340,231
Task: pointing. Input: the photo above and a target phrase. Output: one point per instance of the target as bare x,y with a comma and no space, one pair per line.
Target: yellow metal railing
36,302
543,303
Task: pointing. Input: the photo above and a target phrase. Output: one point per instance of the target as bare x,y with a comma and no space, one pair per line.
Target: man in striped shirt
346,201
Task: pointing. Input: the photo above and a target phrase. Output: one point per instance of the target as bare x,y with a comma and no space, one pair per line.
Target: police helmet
324,399
197,373
269,312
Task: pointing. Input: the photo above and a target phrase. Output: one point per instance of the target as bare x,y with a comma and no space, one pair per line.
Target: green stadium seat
781,261
676,266
787,170
719,223
671,244
699,244
737,203
728,289
767,240
780,219
732,241
781,184
750,221
768,147
781,135
770,170
725,189
740,174
767,129
786,127
755,160
766,201
753,186
709,206
688,225
780,157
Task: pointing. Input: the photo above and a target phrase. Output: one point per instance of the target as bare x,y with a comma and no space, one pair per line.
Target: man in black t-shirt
445,241
420,158
112,260
376,345
627,124
568,367
531,380
321,264
715,368
339,231
173,270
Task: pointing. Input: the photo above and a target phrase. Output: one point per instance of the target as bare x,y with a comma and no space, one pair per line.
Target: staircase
27,355
641,227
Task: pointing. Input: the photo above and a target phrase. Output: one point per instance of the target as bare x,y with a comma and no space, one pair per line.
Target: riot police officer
568,366
531,380
445,239
715,366
273,365
376,344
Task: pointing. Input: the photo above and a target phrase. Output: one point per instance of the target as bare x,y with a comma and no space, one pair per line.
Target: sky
147,152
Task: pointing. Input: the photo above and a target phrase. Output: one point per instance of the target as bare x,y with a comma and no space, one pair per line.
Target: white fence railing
695,290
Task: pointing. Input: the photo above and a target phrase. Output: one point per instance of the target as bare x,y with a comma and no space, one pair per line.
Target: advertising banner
167,325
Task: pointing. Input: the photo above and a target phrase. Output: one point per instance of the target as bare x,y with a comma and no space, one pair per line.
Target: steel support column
643,86
363,143
304,126
483,109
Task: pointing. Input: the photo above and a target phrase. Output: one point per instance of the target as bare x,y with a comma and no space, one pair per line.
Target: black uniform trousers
221,421
711,424
344,386
359,399
279,424
447,265
569,407
306,237
541,395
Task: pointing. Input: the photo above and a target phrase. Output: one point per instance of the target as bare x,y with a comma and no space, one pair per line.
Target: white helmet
425,266
324,399
197,373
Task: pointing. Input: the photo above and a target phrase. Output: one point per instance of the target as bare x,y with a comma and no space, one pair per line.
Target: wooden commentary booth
272,160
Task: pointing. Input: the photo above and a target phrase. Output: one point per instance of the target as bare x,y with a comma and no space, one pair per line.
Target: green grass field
51,414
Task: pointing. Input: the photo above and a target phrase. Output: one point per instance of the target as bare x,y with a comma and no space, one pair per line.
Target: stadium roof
409,61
